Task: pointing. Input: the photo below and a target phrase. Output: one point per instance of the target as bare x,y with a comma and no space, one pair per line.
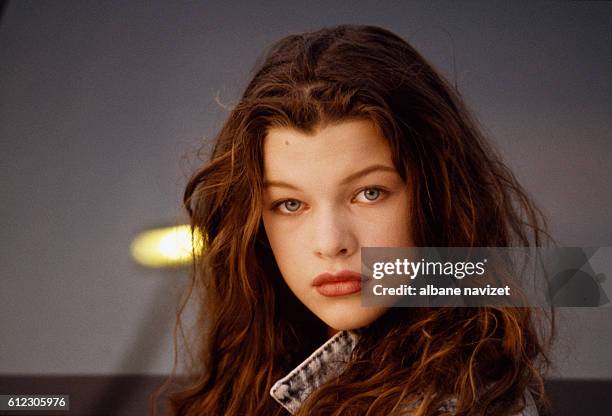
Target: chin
348,318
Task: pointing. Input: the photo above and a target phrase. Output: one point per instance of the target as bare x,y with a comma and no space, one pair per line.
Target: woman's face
326,195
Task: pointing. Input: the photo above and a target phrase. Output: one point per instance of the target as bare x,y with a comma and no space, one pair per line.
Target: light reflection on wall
166,247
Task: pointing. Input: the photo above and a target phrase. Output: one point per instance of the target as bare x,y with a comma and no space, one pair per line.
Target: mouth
342,283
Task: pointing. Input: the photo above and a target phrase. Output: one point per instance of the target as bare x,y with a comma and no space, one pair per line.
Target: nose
333,234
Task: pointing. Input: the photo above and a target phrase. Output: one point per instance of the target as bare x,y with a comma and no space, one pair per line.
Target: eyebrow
352,177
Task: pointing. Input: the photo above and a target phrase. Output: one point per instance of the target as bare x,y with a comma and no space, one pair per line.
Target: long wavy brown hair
253,330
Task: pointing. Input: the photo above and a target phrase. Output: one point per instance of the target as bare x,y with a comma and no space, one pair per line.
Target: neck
331,331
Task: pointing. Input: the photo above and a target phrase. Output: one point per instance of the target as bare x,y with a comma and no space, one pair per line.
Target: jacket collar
328,361
325,363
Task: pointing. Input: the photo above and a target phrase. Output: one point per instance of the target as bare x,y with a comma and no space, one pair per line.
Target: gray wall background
102,105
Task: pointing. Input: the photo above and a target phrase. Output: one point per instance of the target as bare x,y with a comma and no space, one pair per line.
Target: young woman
347,138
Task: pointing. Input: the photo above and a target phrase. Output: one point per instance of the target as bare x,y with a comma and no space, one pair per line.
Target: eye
288,206
371,194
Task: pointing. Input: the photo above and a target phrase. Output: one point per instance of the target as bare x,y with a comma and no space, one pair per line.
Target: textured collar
328,361
322,365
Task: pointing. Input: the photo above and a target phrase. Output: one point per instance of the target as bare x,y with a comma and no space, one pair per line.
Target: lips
342,283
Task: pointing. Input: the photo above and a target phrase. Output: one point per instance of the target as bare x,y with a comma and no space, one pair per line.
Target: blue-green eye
292,205
371,194
289,205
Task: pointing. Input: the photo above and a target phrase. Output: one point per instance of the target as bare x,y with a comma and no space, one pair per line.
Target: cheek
390,234
276,233
390,226
284,242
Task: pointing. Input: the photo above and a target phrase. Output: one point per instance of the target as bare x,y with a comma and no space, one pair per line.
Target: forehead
331,150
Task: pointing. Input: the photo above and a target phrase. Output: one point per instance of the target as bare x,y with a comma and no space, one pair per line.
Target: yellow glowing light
164,247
